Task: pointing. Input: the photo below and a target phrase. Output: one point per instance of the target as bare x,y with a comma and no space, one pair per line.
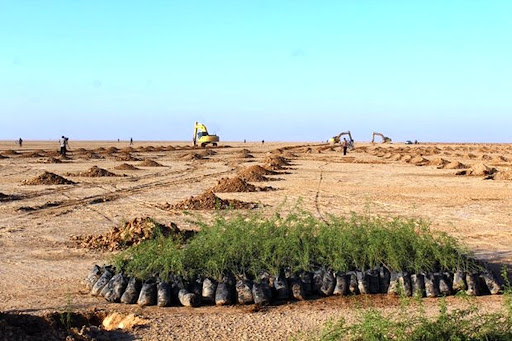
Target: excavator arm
202,137
385,139
199,128
336,139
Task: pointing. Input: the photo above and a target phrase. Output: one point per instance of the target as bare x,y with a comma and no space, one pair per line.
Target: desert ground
42,270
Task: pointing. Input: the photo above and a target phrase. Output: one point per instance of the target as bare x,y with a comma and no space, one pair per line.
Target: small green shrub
466,324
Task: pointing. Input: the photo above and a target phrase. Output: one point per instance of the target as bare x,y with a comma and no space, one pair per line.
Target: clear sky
435,70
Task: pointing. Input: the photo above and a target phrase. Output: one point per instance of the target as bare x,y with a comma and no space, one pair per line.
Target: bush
460,324
250,244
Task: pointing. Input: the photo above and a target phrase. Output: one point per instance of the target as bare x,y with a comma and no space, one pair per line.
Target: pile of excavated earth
416,158
237,184
276,162
128,234
126,166
245,154
127,157
53,160
91,156
256,173
150,163
192,157
48,178
209,201
94,172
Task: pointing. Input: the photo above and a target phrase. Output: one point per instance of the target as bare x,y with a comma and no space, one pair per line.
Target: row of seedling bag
116,287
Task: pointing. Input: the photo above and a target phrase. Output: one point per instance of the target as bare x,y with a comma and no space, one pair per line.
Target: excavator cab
202,137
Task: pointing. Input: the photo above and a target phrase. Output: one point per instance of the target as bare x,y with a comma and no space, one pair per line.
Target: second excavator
385,139
202,137
336,139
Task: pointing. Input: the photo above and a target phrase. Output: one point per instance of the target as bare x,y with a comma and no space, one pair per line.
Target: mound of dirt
207,152
275,162
53,160
256,169
91,156
48,178
191,156
150,163
406,157
289,154
30,155
500,158
439,162
209,201
419,161
482,169
244,154
130,233
95,172
253,177
454,165
395,157
126,166
111,150
486,157
10,152
236,184
128,150
479,170
3,157
127,157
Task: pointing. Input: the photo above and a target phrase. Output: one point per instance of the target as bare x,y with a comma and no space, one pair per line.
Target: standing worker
344,145
131,141
20,142
63,142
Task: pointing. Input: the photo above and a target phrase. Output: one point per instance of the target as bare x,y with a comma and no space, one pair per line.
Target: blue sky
273,70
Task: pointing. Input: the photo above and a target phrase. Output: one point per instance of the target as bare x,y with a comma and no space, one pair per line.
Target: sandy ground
41,272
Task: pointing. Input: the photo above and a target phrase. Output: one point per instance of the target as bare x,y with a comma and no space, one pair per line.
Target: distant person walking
262,141
344,145
63,142
20,142
131,141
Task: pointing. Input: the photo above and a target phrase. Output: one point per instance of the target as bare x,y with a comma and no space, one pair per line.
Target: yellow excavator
202,137
385,139
336,139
